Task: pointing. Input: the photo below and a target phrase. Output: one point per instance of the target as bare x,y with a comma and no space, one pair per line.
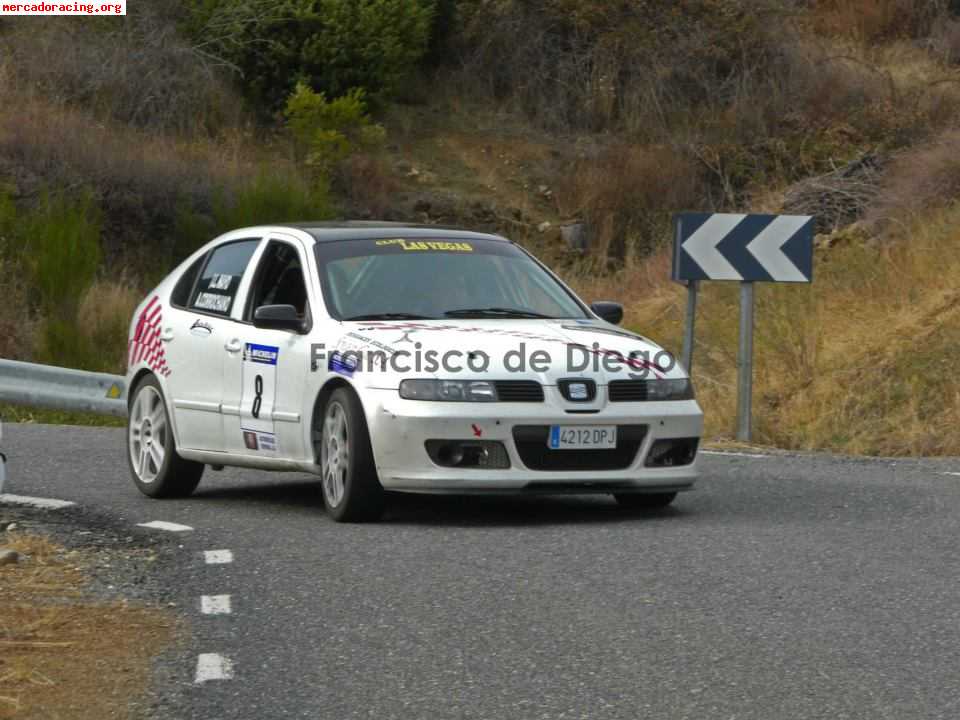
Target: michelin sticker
259,396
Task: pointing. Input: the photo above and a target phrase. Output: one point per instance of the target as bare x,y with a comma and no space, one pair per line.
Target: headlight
670,389
449,390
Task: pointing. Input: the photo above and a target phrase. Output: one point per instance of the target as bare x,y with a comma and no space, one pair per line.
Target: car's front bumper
400,428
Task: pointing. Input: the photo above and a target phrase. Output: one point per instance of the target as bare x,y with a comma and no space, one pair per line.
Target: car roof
367,230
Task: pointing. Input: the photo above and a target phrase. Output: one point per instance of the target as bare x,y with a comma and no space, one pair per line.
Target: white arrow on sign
702,247
767,248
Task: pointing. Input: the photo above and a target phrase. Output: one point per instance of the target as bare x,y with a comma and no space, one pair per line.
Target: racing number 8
258,399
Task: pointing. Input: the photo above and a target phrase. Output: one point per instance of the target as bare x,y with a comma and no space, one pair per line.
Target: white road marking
215,605
955,474
43,503
757,456
211,666
218,557
163,525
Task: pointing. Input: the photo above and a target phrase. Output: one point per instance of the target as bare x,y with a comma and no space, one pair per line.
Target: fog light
673,453
480,454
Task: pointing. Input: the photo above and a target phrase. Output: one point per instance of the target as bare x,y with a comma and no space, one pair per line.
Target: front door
264,385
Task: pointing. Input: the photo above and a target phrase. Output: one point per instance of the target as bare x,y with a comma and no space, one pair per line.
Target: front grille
519,391
531,442
628,391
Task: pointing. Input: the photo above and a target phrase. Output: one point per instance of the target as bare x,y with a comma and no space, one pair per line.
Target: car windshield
438,279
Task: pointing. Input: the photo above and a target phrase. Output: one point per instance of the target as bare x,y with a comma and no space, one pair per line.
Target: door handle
234,346
166,335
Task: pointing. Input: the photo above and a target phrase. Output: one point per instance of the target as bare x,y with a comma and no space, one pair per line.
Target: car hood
565,349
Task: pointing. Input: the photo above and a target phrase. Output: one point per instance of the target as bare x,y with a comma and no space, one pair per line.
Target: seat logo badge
579,391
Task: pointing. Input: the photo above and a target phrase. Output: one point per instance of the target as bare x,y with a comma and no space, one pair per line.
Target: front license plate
582,437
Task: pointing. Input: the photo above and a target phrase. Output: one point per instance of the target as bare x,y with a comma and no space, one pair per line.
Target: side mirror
610,311
277,317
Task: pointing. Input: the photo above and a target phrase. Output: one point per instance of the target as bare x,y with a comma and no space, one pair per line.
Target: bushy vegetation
753,94
332,45
329,131
267,198
61,242
65,315
137,71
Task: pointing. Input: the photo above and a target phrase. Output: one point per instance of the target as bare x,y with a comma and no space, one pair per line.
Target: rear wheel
351,488
645,501
158,471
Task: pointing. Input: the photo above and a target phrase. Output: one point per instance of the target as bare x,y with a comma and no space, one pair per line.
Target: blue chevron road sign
745,248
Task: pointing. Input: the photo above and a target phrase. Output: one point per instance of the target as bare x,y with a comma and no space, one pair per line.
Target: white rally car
382,357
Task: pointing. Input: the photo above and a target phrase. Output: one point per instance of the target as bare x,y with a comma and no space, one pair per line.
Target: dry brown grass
627,193
367,183
918,180
137,70
63,655
858,362
876,20
105,313
945,41
140,178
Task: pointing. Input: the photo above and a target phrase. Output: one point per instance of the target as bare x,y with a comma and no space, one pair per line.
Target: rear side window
220,279
181,292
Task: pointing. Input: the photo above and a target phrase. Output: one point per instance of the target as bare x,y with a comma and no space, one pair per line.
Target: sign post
688,329
744,249
745,364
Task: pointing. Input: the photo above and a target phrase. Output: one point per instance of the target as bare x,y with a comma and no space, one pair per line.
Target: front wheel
645,501
351,488
158,471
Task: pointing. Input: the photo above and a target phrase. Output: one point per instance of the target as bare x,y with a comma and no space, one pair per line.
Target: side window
279,280
221,277
181,291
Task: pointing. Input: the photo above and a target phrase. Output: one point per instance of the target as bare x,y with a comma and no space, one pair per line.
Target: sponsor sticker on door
259,397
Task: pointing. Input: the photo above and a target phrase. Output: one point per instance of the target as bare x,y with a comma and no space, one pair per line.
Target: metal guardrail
59,388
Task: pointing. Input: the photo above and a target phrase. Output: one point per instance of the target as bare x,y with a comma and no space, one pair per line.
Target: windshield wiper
389,316
495,312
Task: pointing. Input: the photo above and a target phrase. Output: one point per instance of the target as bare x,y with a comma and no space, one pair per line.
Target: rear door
197,338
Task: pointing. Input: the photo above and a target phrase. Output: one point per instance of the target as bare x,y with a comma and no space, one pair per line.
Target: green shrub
329,131
8,218
269,197
334,45
95,336
62,240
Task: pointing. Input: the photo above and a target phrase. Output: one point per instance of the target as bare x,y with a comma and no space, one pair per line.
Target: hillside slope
520,117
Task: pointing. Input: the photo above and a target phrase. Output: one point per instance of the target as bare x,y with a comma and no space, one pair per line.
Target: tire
645,501
348,475
157,470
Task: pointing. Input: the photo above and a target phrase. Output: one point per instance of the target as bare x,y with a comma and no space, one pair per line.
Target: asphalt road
784,587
